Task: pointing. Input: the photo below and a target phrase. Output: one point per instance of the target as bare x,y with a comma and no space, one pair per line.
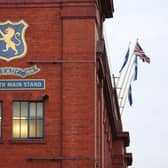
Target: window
28,120
0,119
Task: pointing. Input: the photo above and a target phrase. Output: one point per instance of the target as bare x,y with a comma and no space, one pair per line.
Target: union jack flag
140,53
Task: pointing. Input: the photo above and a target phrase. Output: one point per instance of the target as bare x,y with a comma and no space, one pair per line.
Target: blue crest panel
12,40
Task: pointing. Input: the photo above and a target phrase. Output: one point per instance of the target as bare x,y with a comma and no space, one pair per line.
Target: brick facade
82,125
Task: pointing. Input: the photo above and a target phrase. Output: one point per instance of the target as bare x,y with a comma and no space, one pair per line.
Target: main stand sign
19,84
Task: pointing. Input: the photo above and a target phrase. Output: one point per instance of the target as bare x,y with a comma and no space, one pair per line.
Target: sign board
18,84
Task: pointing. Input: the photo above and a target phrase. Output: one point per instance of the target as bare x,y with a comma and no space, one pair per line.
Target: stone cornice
106,7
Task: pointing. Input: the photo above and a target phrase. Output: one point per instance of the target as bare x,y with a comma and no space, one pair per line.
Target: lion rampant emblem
12,40
7,37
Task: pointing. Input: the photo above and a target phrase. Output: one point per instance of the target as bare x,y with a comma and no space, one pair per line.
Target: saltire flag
136,68
126,60
130,95
138,51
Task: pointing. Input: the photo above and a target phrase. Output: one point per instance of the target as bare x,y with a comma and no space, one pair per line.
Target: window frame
28,119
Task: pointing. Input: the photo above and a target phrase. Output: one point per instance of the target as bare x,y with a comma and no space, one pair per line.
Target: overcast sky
147,119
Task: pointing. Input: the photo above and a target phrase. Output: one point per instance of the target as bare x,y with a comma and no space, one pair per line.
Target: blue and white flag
136,68
126,60
130,95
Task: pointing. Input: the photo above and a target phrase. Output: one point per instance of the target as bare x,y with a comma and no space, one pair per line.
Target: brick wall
61,42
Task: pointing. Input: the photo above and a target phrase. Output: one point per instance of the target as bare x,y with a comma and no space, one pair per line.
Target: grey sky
147,119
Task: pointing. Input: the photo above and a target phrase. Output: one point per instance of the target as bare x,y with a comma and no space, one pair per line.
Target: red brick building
58,105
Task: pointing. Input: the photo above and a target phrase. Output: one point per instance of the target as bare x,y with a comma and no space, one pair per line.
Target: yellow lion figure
7,38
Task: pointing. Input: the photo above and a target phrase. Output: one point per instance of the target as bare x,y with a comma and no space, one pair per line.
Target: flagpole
127,83
128,80
124,76
128,70
127,76
123,102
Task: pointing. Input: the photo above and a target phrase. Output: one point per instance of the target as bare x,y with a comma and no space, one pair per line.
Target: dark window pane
24,110
32,132
24,129
16,109
39,128
16,128
33,110
39,110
